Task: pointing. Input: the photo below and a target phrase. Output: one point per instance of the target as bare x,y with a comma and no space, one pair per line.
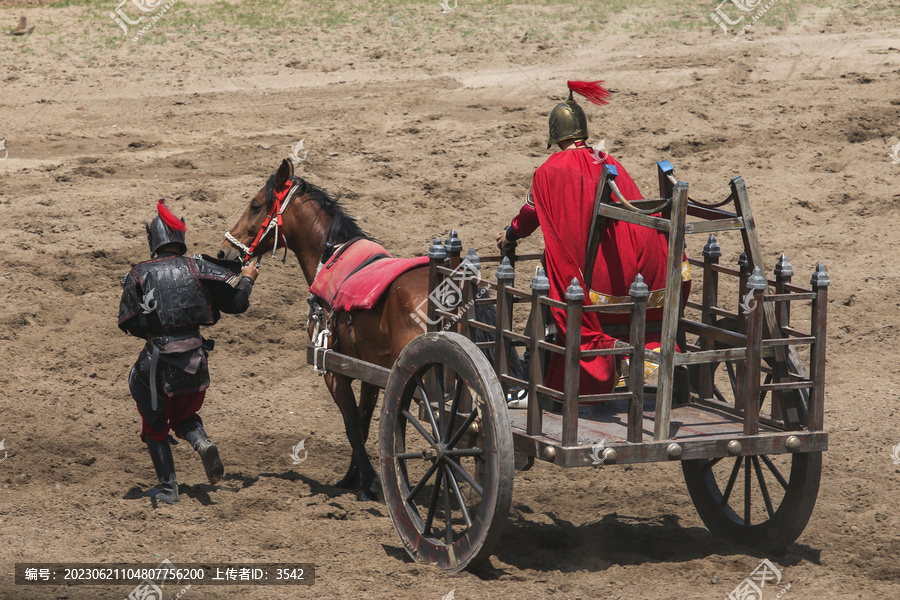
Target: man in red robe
561,201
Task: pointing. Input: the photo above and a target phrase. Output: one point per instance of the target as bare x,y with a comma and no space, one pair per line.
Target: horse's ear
284,174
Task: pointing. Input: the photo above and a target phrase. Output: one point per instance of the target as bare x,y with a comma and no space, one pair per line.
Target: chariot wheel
759,501
447,465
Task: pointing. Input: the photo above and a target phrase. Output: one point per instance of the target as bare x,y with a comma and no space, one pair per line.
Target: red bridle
272,221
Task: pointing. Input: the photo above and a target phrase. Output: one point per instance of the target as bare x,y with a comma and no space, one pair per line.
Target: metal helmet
567,119
166,228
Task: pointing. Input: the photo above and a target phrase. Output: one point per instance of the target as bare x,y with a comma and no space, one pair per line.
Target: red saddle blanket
358,275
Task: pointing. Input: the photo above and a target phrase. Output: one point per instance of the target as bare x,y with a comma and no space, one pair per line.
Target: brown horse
312,219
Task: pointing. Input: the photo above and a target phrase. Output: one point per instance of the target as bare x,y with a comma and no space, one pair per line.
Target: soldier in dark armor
165,300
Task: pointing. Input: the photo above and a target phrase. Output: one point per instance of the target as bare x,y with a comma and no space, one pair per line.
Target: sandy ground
421,127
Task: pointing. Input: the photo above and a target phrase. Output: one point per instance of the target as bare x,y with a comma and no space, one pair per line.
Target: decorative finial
437,250
574,291
756,280
820,278
539,282
712,248
783,268
505,271
638,288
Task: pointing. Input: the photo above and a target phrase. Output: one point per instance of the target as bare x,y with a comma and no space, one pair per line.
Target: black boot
196,436
161,455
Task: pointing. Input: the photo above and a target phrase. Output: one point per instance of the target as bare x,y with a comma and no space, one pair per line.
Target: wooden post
745,270
754,250
603,195
506,275
572,373
671,312
453,246
436,256
749,383
783,273
664,168
639,293
819,282
470,264
540,287
712,252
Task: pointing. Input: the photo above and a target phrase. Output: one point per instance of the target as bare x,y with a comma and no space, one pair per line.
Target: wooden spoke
459,497
415,423
454,406
762,486
429,410
731,480
775,471
415,491
747,489
463,428
432,506
466,477
466,452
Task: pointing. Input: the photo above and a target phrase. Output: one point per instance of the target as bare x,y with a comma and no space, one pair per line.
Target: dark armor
165,295
164,301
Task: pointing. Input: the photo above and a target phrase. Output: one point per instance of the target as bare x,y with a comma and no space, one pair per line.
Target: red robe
563,189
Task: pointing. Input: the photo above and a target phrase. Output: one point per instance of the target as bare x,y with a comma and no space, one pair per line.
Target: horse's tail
487,313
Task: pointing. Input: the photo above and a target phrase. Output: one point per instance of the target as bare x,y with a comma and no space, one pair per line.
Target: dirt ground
424,121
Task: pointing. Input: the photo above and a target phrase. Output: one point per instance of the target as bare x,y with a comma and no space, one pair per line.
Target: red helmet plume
169,217
592,90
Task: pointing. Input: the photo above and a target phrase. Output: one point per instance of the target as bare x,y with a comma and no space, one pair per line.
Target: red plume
169,217
592,90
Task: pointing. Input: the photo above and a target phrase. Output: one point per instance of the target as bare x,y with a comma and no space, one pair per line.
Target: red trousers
177,410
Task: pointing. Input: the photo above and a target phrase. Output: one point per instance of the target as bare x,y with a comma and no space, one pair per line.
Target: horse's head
243,240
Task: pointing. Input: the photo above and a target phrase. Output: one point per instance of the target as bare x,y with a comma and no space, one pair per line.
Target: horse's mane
343,226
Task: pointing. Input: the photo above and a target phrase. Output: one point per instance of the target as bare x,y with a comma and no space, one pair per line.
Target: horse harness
324,322
280,201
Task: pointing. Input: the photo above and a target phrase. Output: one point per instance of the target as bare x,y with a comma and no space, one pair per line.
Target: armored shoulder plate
165,294
214,269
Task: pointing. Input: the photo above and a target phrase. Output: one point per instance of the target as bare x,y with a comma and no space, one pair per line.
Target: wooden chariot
735,405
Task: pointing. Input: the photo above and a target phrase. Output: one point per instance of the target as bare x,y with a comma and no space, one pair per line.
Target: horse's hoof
371,492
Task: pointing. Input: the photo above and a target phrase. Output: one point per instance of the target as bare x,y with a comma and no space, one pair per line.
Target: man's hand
251,270
502,242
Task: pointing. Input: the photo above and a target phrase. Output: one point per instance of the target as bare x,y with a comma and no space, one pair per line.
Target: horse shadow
316,487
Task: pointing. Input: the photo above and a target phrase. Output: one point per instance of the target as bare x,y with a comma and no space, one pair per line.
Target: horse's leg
343,396
368,398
